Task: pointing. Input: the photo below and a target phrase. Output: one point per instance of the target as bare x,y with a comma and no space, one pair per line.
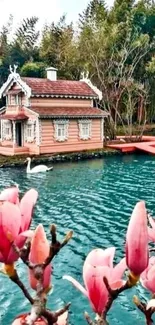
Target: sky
45,10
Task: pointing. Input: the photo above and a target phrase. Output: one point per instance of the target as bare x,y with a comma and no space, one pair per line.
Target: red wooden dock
147,145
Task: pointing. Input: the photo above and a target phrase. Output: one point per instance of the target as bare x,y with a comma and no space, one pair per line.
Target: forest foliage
116,46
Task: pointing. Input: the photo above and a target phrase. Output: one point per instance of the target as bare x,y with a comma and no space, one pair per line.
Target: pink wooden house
45,116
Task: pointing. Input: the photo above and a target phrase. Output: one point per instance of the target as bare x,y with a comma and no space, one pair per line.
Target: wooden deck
147,145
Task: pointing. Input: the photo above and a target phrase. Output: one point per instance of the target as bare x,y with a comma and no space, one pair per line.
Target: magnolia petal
150,304
137,254
97,292
10,194
27,204
100,257
147,278
76,284
40,247
117,284
118,270
152,222
1,258
21,319
27,233
10,222
39,251
151,234
145,272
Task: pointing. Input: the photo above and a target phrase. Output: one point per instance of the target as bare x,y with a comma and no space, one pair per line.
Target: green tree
59,49
94,14
33,69
121,10
26,35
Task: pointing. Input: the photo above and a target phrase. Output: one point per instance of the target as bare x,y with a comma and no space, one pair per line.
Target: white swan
36,169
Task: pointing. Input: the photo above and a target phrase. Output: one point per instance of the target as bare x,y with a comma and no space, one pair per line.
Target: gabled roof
45,87
69,112
14,78
42,86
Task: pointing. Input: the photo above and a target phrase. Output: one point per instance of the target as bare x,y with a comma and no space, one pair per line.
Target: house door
19,134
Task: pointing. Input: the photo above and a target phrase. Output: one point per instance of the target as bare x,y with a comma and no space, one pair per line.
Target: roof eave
65,96
70,116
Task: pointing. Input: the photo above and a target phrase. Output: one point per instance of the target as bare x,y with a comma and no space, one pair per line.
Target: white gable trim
89,83
15,77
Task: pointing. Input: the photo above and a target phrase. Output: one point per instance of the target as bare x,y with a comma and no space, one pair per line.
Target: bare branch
15,278
142,307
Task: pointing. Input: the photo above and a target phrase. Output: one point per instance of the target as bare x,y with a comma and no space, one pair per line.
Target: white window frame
9,100
61,130
7,130
82,129
16,100
29,134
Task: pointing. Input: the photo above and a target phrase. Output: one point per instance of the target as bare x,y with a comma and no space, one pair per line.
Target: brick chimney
52,73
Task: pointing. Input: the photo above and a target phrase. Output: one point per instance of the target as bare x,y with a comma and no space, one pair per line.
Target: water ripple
95,199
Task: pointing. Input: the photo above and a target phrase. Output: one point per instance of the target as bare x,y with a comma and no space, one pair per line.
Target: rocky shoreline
19,161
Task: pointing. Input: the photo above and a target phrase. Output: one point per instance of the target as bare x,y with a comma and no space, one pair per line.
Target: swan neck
28,166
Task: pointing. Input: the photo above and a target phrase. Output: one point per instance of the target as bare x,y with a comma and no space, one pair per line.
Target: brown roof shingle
42,86
69,112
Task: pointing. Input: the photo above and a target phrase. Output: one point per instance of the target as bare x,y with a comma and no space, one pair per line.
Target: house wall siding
44,141
53,102
50,145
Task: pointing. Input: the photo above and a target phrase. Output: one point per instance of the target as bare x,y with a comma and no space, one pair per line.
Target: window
29,132
19,100
61,130
85,129
7,129
16,99
8,100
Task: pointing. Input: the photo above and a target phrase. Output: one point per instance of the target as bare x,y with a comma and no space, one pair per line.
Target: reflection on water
95,199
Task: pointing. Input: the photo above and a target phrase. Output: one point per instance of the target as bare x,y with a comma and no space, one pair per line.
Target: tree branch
15,278
39,302
142,307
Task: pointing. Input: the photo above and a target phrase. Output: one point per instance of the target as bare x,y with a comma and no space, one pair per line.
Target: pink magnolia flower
14,222
39,251
151,231
10,194
99,264
20,319
62,320
147,278
137,254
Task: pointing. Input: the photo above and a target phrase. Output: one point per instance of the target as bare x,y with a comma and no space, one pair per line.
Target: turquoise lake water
95,199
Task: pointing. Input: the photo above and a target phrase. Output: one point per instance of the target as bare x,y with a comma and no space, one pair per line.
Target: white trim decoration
102,129
14,132
84,125
7,130
15,78
38,131
89,83
30,131
61,129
